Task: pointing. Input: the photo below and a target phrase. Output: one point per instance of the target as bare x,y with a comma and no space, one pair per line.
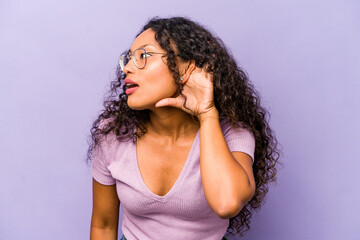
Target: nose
129,67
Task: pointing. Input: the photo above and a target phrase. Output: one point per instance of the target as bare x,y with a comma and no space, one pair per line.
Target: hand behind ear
198,89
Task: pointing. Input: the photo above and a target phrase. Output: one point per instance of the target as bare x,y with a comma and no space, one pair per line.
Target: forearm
225,182
97,233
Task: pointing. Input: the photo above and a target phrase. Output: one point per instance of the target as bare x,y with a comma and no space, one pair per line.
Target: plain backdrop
57,59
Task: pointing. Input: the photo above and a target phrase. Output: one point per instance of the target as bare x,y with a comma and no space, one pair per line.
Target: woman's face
155,80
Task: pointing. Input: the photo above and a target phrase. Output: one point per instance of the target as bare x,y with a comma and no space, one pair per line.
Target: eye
144,55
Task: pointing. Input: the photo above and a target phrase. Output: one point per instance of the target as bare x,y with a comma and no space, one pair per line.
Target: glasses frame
132,56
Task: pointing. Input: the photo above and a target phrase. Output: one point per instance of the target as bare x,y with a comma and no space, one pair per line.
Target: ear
190,67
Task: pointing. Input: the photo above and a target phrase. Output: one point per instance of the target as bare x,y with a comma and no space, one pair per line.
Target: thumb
171,102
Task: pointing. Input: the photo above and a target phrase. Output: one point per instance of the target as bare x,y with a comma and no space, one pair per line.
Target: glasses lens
123,60
140,57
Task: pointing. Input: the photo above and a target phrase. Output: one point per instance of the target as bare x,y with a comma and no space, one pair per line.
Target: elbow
233,208
230,211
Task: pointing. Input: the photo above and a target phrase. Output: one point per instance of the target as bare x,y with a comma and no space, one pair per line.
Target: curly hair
235,98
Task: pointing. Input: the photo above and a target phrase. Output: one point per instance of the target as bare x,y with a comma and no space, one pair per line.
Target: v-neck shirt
183,212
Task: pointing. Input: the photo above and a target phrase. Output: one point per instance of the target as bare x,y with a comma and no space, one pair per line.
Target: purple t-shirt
183,213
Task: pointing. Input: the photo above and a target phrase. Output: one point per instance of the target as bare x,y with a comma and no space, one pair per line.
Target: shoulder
234,132
111,143
111,132
238,139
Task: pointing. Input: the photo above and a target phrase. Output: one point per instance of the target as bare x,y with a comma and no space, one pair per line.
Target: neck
171,123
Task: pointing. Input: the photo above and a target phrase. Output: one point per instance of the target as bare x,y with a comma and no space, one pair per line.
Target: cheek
160,82
156,83
161,87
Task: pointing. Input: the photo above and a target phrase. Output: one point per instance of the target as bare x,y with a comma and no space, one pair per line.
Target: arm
227,177
105,214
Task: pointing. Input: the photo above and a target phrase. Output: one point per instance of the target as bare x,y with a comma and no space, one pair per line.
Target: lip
127,81
131,90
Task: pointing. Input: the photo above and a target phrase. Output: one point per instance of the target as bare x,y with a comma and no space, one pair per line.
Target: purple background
58,57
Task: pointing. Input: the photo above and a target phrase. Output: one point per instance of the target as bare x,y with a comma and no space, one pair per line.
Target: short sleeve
239,140
99,169
99,166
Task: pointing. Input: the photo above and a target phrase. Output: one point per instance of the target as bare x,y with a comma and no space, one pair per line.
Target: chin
137,106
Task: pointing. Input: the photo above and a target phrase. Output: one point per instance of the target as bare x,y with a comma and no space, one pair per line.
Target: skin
227,177
156,83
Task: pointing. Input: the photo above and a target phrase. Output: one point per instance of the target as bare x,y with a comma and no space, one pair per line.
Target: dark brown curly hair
235,98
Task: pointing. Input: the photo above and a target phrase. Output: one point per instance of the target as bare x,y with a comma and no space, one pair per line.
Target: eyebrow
148,44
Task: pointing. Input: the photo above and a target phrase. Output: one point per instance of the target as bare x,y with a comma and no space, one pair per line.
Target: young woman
185,146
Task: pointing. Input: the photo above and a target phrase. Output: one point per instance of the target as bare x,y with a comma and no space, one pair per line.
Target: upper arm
241,143
246,162
105,206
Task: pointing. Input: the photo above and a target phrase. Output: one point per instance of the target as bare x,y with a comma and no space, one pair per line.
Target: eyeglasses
139,57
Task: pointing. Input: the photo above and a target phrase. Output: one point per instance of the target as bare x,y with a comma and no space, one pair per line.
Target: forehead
145,39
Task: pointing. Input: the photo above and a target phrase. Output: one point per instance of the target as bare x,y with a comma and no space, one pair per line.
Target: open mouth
131,85
130,88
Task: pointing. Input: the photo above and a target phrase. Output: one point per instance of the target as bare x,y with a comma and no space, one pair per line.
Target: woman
185,147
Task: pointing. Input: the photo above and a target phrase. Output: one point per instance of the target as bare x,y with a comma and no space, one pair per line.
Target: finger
172,102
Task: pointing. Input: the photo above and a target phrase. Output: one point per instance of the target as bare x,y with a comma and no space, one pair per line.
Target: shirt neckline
178,181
